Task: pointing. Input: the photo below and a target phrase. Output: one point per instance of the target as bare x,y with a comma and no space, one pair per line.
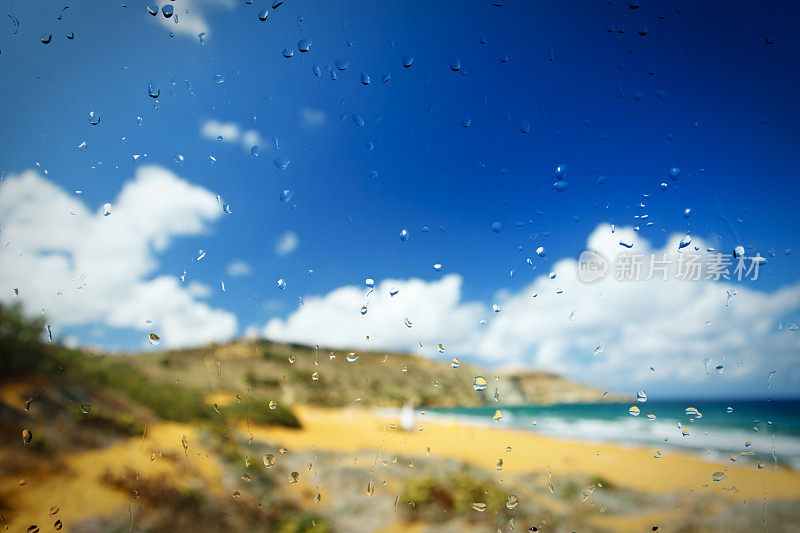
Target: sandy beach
353,430
76,486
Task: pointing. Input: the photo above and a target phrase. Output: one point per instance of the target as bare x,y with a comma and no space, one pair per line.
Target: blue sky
701,90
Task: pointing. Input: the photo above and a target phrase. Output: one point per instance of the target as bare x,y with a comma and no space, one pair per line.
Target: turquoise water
771,427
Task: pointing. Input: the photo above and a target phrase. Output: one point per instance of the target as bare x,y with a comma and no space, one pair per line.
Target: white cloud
312,119
86,268
286,243
190,16
670,325
231,133
434,308
238,268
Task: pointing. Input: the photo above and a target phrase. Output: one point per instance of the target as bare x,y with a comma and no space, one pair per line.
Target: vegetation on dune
434,498
25,353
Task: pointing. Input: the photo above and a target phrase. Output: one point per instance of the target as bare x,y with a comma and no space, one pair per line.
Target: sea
757,431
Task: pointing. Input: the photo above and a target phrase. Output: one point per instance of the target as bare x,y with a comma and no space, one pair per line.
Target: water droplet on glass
685,241
286,195
365,80
407,322
352,357
496,227
106,209
479,384
455,363
167,10
437,267
304,45
634,411
512,502
86,408
281,284
153,338
26,436
46,38
408,61
455,65
480,507
94,118
287,53
718,476
674,172
153,91
403,234
269,460
293,477
281,163
641,396
272,405
262,16
358,120
152,9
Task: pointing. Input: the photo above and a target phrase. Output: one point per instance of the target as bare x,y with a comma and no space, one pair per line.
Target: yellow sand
78,491
79,494
351,430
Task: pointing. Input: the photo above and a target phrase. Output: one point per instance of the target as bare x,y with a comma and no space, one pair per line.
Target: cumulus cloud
231,132
190,16
680,328
238,268
286,243
83,268
312,119
434,309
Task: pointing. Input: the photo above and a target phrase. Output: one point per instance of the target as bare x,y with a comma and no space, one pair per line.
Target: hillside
285,373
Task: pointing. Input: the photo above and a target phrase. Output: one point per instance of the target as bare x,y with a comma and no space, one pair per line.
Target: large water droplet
512,502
